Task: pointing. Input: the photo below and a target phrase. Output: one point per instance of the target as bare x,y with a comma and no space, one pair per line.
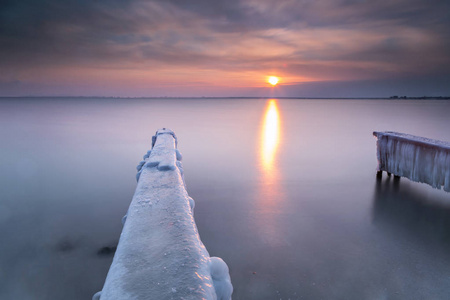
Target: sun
273,80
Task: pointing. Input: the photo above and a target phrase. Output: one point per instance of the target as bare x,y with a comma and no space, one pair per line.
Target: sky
195,48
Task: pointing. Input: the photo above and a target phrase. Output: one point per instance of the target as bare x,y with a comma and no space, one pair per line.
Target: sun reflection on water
270,135
270,195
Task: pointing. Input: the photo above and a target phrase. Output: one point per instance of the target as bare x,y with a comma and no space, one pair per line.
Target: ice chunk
97,296
138,175
417,158
179,156
147,154
163,155
139,166
191,204
221,278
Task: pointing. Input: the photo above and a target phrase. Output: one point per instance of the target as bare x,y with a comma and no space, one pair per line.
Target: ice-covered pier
417,158
160,254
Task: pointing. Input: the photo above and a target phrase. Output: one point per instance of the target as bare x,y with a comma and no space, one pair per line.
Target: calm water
285,193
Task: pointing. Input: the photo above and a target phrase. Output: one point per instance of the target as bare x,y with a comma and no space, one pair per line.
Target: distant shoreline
421,98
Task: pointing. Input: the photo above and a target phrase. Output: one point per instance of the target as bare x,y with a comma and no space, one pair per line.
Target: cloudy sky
318,48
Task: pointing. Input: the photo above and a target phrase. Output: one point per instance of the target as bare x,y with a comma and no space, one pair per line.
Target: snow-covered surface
417,158
160,254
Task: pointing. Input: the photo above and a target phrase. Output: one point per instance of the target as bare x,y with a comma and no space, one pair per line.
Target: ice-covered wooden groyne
417,158
160,254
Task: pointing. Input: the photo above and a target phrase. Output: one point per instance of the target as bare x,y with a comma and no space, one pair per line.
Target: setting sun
273,80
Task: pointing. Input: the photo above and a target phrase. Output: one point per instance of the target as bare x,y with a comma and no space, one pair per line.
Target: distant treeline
423,97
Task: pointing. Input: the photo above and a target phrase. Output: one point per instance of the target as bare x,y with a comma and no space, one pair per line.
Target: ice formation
160,254
417,158
221,278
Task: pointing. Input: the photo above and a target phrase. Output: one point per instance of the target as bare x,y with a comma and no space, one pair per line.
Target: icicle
417,158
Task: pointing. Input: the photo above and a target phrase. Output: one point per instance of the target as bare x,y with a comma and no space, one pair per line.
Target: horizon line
235,97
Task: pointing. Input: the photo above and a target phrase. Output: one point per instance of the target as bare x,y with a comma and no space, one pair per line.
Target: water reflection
268,207
270,135
400,207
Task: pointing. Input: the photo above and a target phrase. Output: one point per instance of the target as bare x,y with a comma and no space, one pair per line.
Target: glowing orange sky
224,48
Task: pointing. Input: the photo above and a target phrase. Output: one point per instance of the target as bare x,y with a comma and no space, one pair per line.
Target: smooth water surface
285,193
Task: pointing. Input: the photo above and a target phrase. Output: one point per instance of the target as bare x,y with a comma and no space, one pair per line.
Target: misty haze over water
285,193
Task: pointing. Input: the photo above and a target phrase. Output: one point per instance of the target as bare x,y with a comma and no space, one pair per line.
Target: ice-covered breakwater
417,158
160,254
